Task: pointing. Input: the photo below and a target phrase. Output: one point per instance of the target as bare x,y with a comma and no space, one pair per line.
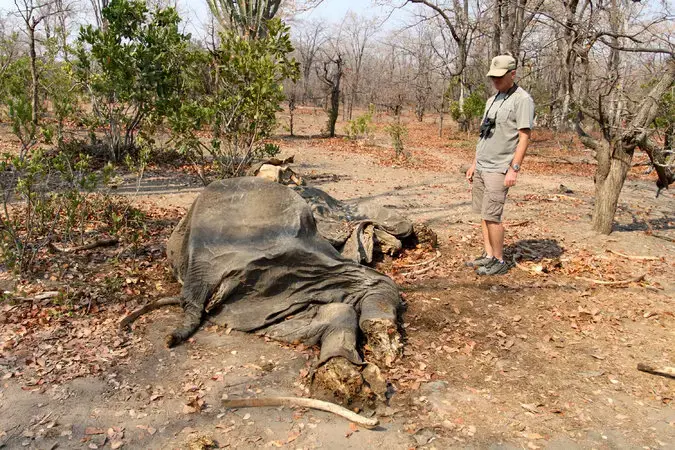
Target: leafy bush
361,127
132,70
45,198
474,106
241,109
398,133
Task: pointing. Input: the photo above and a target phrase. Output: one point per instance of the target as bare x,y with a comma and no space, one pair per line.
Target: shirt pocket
506,115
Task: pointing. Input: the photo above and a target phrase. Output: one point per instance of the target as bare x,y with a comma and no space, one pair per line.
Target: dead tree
308,42
511,19
359,31
331,76
615,153
98,6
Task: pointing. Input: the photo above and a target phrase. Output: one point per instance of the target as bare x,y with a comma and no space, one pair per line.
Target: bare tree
510,20
359,32
34,12
331,75
308,41
625,124
98,6
456,16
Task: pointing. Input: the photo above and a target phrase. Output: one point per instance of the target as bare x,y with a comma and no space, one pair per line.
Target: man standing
504,136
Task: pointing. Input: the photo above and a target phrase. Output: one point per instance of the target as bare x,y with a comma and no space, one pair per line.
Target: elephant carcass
249,255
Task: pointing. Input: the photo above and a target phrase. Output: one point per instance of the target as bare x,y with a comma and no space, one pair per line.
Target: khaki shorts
489,195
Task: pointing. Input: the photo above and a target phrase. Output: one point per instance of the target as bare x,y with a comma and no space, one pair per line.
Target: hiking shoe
482,260
494,267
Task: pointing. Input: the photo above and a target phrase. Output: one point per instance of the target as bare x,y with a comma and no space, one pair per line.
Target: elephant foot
383,341
340,379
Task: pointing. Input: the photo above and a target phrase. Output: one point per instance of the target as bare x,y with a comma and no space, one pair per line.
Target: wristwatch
515,167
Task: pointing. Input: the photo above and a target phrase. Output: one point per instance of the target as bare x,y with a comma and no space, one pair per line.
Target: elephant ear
177,246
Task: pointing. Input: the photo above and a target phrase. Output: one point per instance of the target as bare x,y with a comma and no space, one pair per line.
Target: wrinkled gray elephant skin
249,255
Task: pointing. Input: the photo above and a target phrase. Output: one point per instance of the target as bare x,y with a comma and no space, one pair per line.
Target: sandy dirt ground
543,357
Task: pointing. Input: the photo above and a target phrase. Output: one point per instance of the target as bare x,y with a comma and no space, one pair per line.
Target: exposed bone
303,403
340,377
668,372
383,339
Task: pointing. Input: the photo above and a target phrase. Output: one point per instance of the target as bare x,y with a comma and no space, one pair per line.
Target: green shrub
361,127
133,70
398,133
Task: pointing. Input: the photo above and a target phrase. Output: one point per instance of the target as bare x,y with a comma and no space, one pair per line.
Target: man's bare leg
486,238
495,232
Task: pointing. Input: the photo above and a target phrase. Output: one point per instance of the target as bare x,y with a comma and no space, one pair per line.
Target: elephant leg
340,364
378,322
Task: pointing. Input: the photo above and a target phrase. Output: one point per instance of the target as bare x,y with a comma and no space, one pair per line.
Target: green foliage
59,83
45,198
133,70
398,133
20,115
361,127
474,106
241,109
13,84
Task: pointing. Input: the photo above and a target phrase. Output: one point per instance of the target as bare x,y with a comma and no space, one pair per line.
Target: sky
194,12
333,11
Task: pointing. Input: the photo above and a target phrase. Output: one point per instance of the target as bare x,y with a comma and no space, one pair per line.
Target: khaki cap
501,65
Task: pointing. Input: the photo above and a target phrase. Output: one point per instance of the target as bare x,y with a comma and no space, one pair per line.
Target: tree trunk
334,107
614,160
33,74
441,111
613,166
496,47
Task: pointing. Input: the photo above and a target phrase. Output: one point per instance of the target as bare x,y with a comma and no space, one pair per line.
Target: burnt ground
543,357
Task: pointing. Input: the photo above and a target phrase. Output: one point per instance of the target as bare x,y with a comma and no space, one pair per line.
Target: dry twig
95,244
636,258
420,271
613,283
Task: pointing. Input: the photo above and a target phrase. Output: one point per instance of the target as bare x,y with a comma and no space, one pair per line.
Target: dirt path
528,360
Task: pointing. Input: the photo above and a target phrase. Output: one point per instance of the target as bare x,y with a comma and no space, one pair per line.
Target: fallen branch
95,244
664,237
38,297
130,318
303,403
636,258
613,283
438,255
420,271
517,224
668,372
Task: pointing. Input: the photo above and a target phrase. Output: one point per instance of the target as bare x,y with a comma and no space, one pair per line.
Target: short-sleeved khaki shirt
513,112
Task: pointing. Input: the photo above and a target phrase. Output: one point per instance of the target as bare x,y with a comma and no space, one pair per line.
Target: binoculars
486,127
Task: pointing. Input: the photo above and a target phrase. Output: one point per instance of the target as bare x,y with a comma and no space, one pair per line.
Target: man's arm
518,157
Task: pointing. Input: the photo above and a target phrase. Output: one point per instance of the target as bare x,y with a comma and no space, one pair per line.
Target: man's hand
511,177
469,173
